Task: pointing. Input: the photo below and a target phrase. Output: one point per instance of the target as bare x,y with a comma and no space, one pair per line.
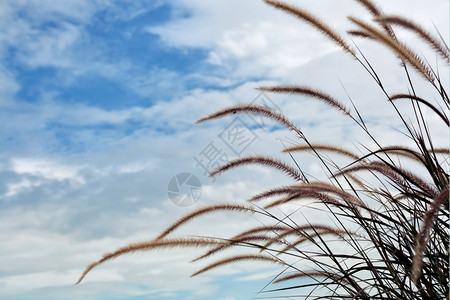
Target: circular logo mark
184,189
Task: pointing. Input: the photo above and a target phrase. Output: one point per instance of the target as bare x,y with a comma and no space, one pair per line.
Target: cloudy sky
98,100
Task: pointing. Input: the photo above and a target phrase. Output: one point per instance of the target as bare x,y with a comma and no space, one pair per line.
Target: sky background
98,100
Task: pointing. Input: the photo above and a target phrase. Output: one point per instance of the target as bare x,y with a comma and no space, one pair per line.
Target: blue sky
98,100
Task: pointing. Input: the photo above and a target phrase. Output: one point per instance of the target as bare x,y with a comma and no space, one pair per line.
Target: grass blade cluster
389,232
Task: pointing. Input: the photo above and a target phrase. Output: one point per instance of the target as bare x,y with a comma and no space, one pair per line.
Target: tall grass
390,232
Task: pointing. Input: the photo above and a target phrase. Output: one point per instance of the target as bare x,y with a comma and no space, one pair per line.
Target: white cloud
24,32
42,171
23,185
46,169
266,48
268,275
36,256
268,42
54,34
50,48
